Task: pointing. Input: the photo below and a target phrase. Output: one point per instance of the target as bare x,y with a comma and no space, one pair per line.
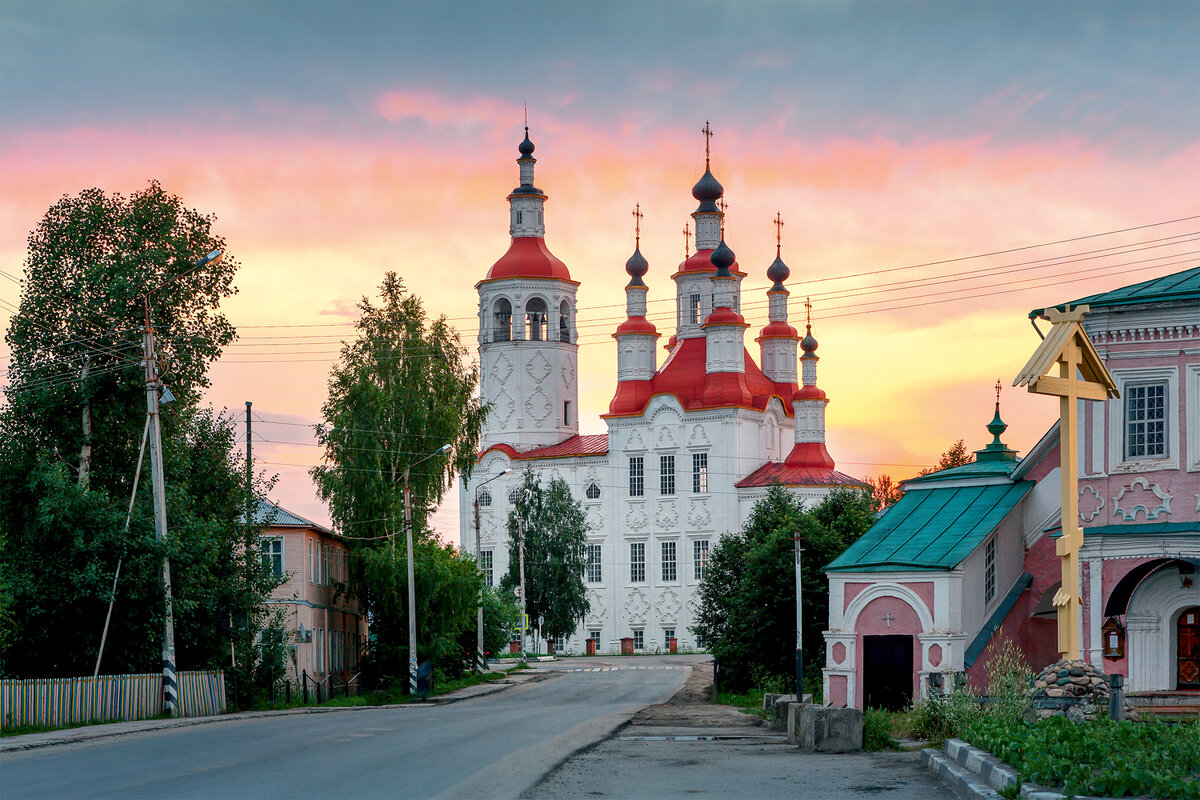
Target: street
504,745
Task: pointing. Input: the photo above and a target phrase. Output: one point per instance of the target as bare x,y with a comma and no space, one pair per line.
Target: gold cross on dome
637,223
687,242
778,233
707,131
808,314
997,390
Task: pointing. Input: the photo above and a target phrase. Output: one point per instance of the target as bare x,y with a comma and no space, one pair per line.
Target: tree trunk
85,449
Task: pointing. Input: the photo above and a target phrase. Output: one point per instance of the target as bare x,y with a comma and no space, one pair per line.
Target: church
694,437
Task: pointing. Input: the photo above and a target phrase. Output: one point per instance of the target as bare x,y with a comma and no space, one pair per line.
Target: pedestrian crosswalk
615,668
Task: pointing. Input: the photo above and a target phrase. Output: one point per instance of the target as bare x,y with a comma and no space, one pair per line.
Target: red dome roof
636,325
701,261
528,257
778,330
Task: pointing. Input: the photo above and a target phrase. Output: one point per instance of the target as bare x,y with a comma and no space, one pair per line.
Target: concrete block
781,705
769,701
830,730
794,713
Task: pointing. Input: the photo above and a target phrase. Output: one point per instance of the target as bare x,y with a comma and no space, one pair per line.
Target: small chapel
697,428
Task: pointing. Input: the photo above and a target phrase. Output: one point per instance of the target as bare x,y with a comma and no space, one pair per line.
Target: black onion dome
722,258
809,342
526,147
707,188
637,266
778,272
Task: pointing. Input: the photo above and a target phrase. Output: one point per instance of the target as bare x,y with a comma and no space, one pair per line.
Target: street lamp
480,662
521,561
412,593
799,625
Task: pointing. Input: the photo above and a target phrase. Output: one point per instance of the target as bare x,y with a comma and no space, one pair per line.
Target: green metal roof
1144,528
1180,286
931,528
976,469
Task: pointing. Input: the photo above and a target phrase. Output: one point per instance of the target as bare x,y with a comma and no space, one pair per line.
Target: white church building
694,438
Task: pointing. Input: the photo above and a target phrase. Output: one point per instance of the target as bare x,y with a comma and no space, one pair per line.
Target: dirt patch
691,706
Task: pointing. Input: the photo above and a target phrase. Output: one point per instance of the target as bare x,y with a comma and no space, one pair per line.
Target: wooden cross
707,131
637,224
887,618
687,242
778,233
1081,376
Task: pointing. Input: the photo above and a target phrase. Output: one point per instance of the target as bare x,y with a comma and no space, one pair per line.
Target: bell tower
528,342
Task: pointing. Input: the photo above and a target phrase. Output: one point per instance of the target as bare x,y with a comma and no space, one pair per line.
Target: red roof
775,472
528,257
590,445
778,330
683,376
636,325
723,315
701,261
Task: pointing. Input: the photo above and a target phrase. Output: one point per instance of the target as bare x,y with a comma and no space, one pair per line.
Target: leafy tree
555,555
71,431
501,618
956,456
401,390
747,614
884,492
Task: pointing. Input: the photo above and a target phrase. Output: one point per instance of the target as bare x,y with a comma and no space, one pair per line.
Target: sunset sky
335,141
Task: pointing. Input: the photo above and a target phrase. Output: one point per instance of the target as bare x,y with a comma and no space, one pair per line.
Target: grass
748,703
21,730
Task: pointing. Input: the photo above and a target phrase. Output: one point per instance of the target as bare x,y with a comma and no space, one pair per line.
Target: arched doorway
1187,649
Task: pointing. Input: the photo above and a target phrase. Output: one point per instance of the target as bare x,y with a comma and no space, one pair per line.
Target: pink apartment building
967,555
327,632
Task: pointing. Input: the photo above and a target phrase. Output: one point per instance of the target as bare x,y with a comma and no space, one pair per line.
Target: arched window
592,491
485,498
564,322
535,319
502,321
514,495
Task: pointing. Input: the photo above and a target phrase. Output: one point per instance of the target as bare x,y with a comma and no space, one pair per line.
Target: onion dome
722,258
708,188
809,342
637,266
778,272
526,147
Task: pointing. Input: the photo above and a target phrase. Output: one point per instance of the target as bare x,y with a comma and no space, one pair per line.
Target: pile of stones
1082,688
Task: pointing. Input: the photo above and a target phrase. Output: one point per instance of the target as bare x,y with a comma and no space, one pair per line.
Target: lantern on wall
1113,635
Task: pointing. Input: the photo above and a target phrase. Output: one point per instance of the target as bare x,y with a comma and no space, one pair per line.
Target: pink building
327,631
967,555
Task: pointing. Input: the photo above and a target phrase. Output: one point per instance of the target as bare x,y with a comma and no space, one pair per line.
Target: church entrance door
1187,649
887,672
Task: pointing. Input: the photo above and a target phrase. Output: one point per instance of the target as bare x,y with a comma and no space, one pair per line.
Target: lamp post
480,662
412,591
799,626
521,563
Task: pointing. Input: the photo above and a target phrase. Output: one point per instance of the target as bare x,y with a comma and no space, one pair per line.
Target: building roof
528,257
932,528
1179,286
976,469
779,472
572,447
270,515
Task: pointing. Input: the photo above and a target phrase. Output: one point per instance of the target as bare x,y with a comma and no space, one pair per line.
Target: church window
699,472
666,475
989,571
566,412
593,491
514,496
540,218
639,638
694,305
486,560
564,322
637,562
518,217
535,320
1146,421
668,561
502,321
595,572
699,558
485,498
637,484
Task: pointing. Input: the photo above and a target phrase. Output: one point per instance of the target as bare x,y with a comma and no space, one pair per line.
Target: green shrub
877,730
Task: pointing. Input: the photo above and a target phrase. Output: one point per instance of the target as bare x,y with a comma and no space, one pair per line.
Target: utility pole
521,563
412,591
799,626
169,690
480,661
249,474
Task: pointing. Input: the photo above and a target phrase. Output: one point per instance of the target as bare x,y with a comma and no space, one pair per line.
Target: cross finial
997,391
721,204
808,315
687,242
526,117
707,131
637,224
778,233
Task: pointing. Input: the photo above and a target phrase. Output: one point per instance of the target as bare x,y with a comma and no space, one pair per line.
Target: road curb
14,744
975,774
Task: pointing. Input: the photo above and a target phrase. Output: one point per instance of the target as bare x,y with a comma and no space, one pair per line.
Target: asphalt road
494,746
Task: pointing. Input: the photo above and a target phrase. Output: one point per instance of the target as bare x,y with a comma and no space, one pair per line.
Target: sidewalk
30,741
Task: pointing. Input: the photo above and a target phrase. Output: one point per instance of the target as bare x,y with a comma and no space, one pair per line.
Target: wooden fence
67,701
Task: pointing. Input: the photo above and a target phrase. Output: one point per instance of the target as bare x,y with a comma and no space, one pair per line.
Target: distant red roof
573,446
683,376
528,257
701,261
776,472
